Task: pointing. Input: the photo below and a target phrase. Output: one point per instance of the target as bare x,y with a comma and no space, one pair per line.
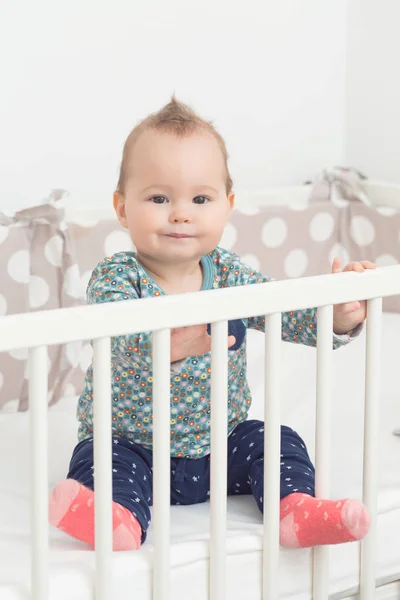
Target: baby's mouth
179,235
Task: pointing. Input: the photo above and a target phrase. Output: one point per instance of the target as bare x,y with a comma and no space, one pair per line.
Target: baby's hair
176,118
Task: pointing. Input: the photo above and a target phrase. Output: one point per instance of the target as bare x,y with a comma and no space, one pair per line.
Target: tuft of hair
176,118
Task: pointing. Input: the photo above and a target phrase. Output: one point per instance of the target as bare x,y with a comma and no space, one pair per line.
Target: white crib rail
371,443
38,391
272,449
161,463
322,440
64,325
102,465
101,322
218,475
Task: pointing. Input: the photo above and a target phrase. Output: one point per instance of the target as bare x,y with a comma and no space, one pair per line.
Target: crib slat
371,445
38,392
161,463
272,444
102,407
323,440
219,434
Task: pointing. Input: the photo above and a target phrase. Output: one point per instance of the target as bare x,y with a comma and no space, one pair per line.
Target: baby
175,196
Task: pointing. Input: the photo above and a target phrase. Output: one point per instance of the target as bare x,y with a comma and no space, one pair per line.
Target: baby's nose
180,216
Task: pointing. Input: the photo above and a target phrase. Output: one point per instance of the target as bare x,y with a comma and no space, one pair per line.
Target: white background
373,88
283,81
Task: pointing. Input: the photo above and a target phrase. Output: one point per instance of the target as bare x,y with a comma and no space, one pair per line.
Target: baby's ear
119,207
231,200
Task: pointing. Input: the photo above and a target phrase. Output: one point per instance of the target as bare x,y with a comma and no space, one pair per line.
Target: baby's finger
349,307
336,265
354,266
231,341
367,264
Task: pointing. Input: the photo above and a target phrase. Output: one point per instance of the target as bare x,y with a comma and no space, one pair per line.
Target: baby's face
175,204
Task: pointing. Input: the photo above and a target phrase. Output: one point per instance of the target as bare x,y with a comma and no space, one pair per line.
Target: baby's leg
190,480
72,501
304,520
308,521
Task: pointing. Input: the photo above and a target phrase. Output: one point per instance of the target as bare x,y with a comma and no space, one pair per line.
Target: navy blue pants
190,478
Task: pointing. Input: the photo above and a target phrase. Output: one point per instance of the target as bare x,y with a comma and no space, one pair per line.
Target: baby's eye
159,199
200,200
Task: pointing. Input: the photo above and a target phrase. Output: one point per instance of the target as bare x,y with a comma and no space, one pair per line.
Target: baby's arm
113,280
298,326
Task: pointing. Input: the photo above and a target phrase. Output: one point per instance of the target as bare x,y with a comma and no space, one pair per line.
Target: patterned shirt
121,277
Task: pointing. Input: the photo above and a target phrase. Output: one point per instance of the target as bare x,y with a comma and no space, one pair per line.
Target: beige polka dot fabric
33,257
47,261
38,273
302,241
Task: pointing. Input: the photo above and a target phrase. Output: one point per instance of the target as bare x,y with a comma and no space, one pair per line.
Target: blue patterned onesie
121,277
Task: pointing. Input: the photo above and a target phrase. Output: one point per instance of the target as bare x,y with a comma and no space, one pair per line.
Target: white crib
38,330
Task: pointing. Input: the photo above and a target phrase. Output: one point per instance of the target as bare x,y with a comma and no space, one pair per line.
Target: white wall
373,88
77,75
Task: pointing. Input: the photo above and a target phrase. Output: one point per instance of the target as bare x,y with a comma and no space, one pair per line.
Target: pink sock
71,509
308,521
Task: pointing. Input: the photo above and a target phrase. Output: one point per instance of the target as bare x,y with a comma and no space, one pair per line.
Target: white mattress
72,563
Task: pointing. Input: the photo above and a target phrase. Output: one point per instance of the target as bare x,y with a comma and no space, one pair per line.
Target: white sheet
72,563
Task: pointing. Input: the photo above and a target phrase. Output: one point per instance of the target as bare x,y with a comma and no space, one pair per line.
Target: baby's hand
350,314
192,341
